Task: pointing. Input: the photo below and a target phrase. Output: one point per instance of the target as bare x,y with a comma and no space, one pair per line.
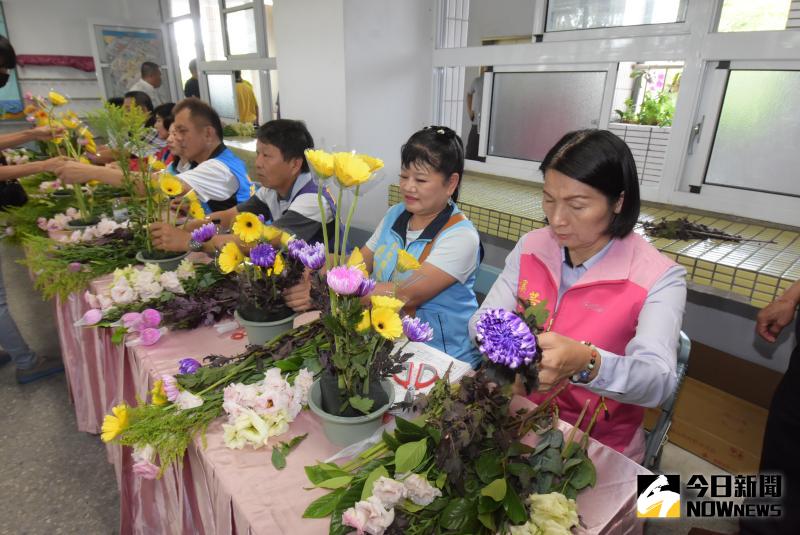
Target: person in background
116,101
286,199
615,302
217,176
192,86
245,100
778,452
149,82
29,365
163,120
431,228
474,103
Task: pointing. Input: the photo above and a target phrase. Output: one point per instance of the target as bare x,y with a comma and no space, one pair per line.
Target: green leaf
572,463
292,444
411,507
441,480
488,466
523,472
288,365
390,441
518,448
514,507
119,335
487,519
408,429
278,458
335,482
361,404
324,505
370,481
552,462
496,490
584,475
410,455
544,483
455,514
488,505
436,434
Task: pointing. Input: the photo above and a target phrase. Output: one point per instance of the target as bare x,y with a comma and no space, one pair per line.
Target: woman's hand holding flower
562,357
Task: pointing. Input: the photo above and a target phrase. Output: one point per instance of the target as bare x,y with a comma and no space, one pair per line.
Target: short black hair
603,161
200,110
116,101
237,75
164,111
149,68
290,137
142,100
436,147
8,58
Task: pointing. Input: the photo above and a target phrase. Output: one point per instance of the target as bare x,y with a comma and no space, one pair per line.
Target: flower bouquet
259,391
466,464
75,141
273,261
185,298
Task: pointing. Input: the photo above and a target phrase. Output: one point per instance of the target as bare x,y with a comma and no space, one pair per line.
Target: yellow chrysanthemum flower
321,162
386,301
116,423
157,394
57,99
387,323
70,123
350,170
247,227
406,261
271,233
196,210
230,257
357,260
373,163
286,238
157,165
365,323
170,185
277,267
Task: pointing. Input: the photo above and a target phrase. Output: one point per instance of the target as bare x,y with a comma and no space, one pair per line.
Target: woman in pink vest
615,303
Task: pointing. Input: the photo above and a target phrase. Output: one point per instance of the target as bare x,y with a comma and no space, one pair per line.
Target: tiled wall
755,271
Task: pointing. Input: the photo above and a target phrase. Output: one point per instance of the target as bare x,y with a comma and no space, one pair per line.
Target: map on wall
121,52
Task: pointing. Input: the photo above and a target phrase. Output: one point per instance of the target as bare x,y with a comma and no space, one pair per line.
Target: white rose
104,301
389,491
420,491
144,453
185,269
122,293
371,514
153,269
147,290
61,220
169,280
187,400
302,385
89,234
106,227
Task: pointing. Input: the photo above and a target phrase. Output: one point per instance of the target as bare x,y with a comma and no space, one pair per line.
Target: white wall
62,28
496,18
388,48
311,66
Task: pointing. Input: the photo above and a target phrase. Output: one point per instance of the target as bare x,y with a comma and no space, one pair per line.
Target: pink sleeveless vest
602,308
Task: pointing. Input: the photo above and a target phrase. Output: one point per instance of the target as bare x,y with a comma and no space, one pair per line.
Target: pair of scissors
407,378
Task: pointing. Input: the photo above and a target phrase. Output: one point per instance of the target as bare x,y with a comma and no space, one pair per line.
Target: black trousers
779,452
471,152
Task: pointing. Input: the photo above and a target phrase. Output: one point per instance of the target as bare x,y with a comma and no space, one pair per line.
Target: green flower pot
166,264
346,430
260,332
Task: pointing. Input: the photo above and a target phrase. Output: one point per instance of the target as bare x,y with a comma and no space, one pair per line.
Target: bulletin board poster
121,52
10,97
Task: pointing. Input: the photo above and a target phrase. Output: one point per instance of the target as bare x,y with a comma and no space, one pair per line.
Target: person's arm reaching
10,172
40,133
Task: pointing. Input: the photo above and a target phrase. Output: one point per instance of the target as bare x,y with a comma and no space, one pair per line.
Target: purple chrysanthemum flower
345,280
261,217
312,256
417,330
263,255
295,246
188,366
366,287
505,339
204,233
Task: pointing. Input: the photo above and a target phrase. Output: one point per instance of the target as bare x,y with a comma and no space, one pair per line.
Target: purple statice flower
505,339
366,287
295,247
417,330
312,256
345,280
263,255
204,233
188,366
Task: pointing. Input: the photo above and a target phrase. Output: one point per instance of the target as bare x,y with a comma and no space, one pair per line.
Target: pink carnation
151,317
345,280
145,469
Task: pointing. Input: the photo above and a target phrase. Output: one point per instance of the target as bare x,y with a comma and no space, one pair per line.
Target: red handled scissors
418,380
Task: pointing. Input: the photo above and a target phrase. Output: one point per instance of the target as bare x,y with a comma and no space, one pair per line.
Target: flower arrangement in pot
353,392
272,261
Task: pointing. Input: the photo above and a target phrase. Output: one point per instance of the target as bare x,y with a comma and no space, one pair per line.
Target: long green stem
324,225
349,219
336,259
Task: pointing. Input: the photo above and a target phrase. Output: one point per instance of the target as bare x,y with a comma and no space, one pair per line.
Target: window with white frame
696,158
236,54
466,23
